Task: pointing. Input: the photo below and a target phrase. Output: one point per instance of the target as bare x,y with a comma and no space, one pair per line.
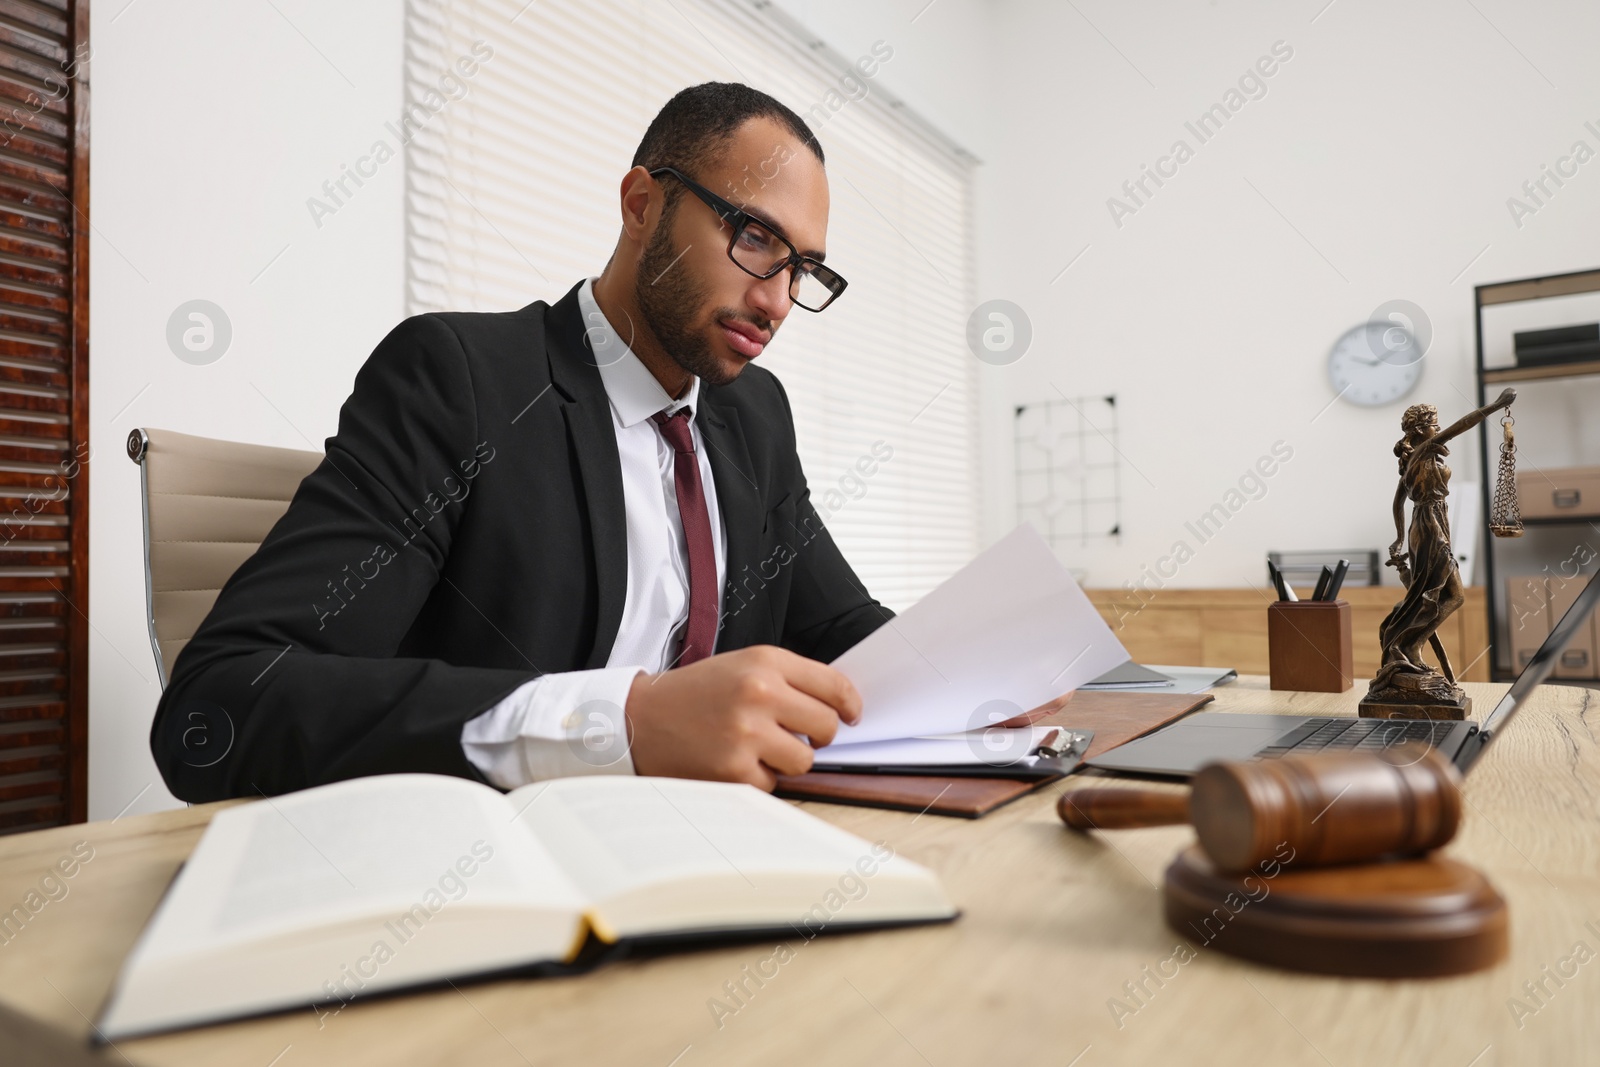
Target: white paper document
1003,635
997,747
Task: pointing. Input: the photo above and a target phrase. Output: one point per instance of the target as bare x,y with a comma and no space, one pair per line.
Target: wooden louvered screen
44,408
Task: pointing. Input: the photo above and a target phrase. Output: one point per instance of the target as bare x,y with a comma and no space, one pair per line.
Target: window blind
512,175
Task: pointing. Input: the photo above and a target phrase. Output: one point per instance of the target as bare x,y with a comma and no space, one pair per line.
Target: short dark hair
694,126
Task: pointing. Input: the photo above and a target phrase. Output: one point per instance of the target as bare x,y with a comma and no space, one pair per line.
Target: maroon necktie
700,634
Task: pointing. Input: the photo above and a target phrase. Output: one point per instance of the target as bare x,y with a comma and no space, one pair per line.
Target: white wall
1381,160
212,125
1390,142
943,56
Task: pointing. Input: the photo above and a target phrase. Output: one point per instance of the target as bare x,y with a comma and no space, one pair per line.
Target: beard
668,298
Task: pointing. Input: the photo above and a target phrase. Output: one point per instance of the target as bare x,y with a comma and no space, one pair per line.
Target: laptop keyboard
1362,735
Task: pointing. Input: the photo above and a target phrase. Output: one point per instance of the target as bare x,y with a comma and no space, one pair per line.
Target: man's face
709,315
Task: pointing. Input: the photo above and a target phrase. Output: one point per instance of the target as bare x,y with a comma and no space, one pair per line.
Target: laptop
1191,743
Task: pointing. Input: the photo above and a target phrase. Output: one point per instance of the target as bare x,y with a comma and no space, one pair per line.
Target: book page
652,852
375,844
315,898
615,834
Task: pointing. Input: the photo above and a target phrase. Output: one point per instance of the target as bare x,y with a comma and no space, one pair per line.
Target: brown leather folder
1114,716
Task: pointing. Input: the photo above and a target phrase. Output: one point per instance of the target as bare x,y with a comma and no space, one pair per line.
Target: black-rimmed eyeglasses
760,251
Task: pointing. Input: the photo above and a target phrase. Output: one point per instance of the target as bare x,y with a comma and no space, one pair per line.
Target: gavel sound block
1319,863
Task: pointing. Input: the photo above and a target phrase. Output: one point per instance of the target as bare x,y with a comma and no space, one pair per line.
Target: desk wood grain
1060,952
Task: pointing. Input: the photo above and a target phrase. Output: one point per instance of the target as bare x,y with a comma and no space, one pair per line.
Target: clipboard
1110,717
1059,755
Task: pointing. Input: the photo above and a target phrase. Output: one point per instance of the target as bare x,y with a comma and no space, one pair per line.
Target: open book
311,899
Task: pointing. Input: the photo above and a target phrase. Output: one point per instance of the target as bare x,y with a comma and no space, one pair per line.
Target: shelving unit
1534,374
1512,292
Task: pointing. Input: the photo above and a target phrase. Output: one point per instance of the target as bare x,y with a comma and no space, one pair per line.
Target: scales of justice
1406,686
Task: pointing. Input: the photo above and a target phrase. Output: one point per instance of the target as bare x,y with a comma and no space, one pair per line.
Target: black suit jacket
465,533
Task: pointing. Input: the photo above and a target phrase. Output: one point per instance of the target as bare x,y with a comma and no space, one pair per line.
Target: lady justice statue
1405,686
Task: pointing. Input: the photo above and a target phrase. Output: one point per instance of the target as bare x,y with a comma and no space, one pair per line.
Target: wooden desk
1057,929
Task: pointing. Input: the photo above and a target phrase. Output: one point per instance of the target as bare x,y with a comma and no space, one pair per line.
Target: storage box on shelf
1565,493
1534,604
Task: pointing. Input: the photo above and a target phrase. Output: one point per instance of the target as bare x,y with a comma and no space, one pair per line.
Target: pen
1339,571
1277,580
1322,583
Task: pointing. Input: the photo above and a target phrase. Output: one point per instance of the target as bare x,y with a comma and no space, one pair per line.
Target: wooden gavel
1329,807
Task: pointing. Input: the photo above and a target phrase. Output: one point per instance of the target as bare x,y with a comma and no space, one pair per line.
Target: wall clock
1375,363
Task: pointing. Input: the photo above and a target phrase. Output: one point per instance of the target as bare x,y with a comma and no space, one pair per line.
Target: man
567,539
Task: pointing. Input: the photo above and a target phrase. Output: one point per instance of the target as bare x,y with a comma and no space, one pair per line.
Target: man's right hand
733,717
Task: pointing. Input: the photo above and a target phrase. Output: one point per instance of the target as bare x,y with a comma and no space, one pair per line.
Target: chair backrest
207,505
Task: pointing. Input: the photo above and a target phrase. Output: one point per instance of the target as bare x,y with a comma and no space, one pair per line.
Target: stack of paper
995,747
1007,633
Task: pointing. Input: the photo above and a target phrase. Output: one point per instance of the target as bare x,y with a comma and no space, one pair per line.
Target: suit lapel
593,440
739,500
594,446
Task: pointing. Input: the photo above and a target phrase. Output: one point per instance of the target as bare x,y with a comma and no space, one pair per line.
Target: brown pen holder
1309,647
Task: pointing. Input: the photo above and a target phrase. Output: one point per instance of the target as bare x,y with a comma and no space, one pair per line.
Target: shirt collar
634,393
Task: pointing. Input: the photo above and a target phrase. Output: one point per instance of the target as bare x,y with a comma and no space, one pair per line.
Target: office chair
207,506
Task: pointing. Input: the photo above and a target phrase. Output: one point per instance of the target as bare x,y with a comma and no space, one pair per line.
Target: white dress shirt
572,723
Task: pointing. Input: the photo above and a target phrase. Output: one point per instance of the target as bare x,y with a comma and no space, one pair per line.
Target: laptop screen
1544,660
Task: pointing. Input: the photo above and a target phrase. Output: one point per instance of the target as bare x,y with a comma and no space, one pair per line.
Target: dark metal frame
1511,292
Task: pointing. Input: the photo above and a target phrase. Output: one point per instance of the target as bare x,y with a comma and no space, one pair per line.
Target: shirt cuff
554,726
